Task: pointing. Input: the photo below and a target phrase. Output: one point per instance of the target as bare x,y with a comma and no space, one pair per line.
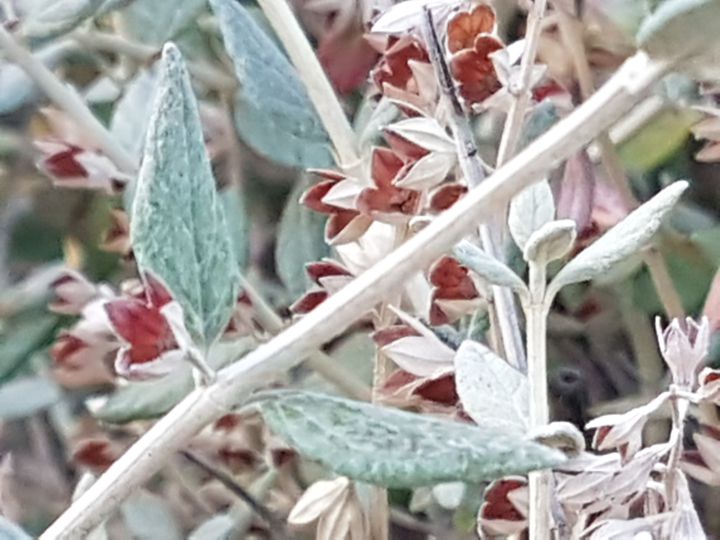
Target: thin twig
68,100
667,292
502,309
339,311
112,43
277,527
523,94
326,366
319,89
664,285
229,482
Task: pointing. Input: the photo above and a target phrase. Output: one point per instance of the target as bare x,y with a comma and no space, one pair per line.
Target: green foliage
23,337
680,27
26,396
658,141
624,239
233,202
301,239
148,517
273,113
394,448
50,18
179,231
149,399
154,22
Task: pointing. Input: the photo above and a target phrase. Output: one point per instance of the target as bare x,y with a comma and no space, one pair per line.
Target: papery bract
72,166
684,346
454,292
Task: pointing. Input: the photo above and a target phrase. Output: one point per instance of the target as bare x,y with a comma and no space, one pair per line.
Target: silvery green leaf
487,267
218,527
492,392
178,228
111,5
550,242
394,448
678,28
50,18
133,110
233,201
148,517
301,239
156,21
273,113
449,495
25,396
11,531
626,238
150,399
530,209
19,341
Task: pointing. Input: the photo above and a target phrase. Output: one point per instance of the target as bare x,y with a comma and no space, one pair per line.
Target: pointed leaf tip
179,229
626,238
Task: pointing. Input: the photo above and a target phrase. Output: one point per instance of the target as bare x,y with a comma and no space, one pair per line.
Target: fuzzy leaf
233,201
627,237
273,113
145,400
530,209
154,22
680,27
492,392
23,397
301,239
487,267
550,242
394,448
179,232
130,120
49,18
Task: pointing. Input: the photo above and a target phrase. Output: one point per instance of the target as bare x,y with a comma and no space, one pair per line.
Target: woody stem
339,311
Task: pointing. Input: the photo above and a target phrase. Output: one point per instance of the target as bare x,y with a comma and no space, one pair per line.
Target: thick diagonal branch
338,312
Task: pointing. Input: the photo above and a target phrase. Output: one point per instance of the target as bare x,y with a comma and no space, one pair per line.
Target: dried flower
505,508
471,42
709,129
73,292
454,292
385,201
329,276
72,166
624,431
345,222
684,346
334,504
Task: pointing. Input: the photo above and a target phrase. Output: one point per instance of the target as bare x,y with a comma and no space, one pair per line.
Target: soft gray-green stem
67,99
536,311
337,313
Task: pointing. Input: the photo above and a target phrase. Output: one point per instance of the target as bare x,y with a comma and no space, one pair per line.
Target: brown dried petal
465,27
